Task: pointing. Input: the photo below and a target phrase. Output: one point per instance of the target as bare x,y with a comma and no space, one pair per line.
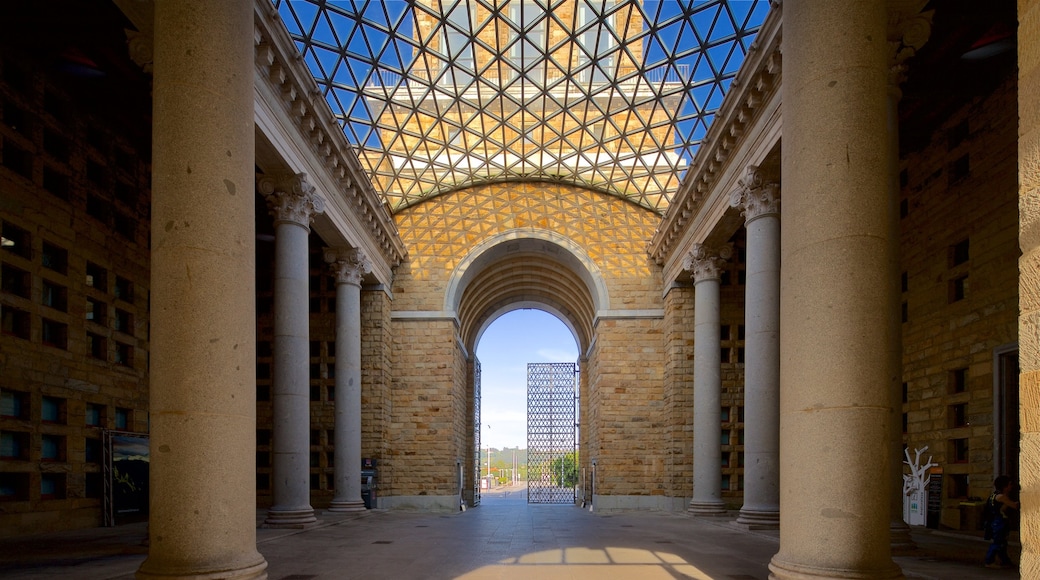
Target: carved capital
705,262
291,199
908,30
754,197
348,265
142,49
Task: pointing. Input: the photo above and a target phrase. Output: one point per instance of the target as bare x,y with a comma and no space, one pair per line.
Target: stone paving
502,539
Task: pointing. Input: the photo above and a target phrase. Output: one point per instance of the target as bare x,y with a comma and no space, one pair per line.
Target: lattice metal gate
476,432
551,452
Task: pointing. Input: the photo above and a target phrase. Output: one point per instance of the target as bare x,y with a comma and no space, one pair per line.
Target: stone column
293,203
759,204
705,264
837,251
1029,279
908,30
348,266
202,404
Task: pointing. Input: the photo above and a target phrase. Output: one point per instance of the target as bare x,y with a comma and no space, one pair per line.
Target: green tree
565,470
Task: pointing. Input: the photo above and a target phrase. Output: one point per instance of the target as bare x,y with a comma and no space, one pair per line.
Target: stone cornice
279,63
705,262
348,265
291,199
757,79
755,196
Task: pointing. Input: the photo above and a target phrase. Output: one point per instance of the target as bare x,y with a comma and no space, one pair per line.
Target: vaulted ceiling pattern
436,95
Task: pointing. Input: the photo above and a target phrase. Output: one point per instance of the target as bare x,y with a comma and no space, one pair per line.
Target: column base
706,508
902,542
781,570
254,572
757,519
282,518
346,505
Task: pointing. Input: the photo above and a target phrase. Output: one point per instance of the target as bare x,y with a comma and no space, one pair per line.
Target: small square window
15,281
330,393
957,381
315,348
725,414
124,355
740,355
315,393
263,481
14,322
958,415
52,486
959,450
99,208
125,193
52,410
16,159
263,393
263,459
263,370
123,418
904,312
92,450
330,370
97,277
315,481
124,289
123,321
97,173
725,437
958,289
263,437
55,296
56,182
97,346
263,349
17,119
959,253
55,145
904,282
124,225
740,414
725,459
14,486
55,258
54,333
14,404
330,481
330,459
315,371
15,240
315,459
14,445
315,437
96,311
724,332
52,448
94,415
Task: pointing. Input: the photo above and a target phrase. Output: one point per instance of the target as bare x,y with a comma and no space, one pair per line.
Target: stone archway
477,253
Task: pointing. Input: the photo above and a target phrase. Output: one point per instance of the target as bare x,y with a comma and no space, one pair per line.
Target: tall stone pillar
202,405
293,203
759,203
908,31
705,263
348,266
1029,279
837,250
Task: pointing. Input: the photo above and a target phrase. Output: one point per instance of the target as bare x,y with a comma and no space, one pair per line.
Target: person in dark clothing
1000,503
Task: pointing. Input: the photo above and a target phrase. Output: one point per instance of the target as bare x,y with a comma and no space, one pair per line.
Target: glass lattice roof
436,95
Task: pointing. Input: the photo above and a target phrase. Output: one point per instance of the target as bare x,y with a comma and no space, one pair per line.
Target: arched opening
519,270
510,343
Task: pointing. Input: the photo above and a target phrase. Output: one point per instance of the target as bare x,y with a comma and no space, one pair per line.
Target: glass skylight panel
435,95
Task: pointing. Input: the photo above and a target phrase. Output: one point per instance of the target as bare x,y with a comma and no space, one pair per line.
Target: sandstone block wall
74,195
960,295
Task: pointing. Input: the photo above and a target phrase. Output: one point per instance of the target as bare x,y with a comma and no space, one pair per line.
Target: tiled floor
504,538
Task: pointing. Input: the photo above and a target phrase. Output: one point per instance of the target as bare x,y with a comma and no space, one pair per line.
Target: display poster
128,478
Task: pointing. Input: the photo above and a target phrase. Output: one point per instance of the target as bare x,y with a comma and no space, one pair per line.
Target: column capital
908,30
291,198
705,262
754,196
348,265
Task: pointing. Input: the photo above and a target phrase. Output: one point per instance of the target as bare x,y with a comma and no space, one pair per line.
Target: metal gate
476,431
552,457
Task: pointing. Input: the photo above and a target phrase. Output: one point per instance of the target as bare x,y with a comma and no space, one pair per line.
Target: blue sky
513,340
